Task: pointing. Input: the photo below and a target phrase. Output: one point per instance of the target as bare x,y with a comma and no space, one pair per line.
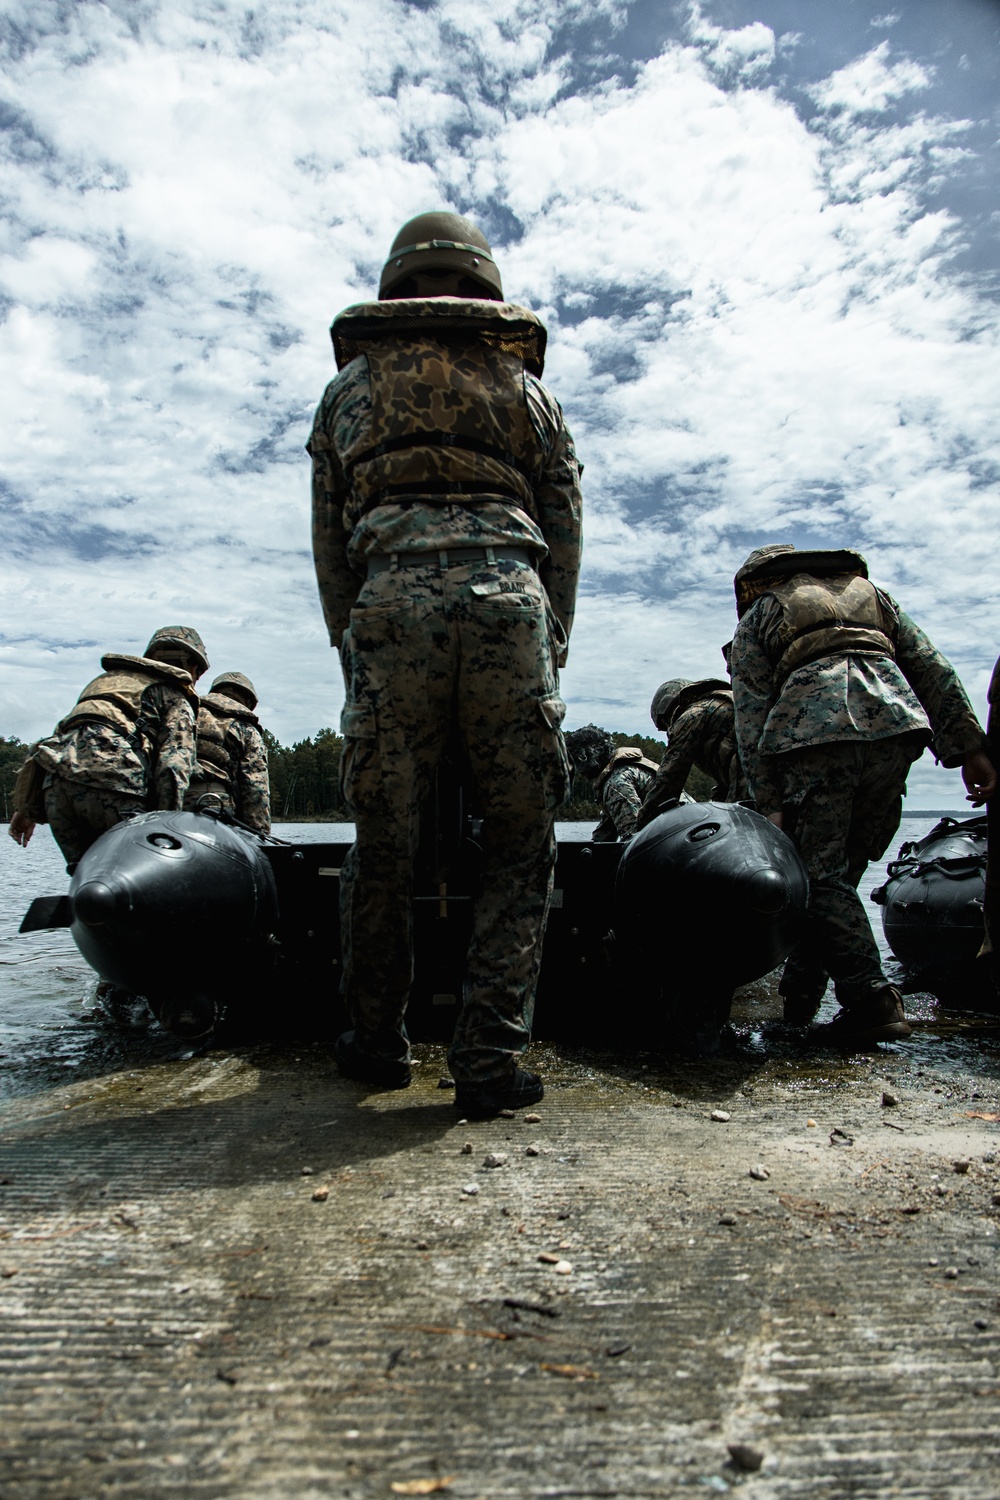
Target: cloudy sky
763,237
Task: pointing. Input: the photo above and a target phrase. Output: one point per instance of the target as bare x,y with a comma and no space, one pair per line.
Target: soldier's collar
500,325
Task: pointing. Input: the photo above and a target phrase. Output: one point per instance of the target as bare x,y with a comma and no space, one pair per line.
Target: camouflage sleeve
622,800
338,583
170,718
957,731
253,789
675,768
559,506
753,699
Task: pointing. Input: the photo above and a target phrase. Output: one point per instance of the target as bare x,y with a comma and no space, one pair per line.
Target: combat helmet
440,245
766,566
172,641
672,697
238,680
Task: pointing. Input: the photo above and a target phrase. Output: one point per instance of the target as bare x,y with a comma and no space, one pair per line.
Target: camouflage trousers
990,951
78,813
843,803
432,652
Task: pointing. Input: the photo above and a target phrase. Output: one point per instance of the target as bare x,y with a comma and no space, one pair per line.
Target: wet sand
234,1274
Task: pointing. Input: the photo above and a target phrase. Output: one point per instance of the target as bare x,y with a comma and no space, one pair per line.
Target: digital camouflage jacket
621,787
232,760
132,731
841,696
703,735
435,435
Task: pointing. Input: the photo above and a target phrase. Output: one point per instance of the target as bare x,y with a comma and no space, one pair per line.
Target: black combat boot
517,1090
354,1061
877,1018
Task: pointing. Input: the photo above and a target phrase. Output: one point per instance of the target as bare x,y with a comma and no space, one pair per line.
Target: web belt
454,557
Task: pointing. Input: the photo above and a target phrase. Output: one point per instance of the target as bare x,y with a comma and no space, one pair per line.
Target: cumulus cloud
754,328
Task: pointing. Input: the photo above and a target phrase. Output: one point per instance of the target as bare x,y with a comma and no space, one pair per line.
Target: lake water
47,1024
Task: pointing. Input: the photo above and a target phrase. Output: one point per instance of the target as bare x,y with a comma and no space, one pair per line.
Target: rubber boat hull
210,922
932,912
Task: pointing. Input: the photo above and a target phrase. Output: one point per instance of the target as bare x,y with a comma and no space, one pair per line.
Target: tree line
304,777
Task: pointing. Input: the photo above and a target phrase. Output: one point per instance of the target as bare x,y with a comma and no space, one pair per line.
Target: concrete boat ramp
237,1275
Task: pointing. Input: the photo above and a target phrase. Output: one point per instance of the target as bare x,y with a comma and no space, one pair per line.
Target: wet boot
478,1101
802,989
355,1061
877,1018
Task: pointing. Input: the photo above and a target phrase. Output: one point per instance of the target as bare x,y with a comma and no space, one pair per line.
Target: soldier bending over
621,779
698,720
127,747
232,756
837,692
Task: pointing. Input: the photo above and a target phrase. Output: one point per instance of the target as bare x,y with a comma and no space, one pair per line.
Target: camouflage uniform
620,788
126,747
703,735
232,761
434,439
991,904
828,740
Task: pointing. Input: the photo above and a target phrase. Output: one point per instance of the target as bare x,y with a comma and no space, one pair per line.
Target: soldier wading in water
446,534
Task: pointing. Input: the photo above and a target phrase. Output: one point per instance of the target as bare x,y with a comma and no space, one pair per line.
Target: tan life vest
115,697
829,616
216,716
625,755
450,422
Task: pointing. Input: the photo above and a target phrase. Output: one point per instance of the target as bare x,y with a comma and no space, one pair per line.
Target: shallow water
49,1025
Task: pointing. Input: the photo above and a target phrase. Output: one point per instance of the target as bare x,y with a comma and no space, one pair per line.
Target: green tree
12,753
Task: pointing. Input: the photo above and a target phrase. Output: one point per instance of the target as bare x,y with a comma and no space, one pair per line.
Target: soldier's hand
980,777
778,819
21,829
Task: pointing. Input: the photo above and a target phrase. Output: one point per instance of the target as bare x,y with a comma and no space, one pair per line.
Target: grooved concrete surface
180,1317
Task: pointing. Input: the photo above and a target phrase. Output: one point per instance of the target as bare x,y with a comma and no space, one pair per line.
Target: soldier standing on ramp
837,692
127,747
446,534
232,756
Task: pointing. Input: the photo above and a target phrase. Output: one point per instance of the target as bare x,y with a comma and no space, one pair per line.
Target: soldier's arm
253,790
171,720
957,732
559,507
338,584
675,768
753,698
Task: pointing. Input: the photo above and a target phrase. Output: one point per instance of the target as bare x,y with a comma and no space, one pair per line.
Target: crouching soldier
837,692
127,747
232,756
699,722
621,779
